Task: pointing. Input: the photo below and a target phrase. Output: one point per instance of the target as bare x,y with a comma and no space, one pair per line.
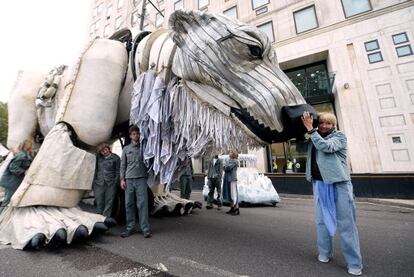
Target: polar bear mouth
290,116
259,129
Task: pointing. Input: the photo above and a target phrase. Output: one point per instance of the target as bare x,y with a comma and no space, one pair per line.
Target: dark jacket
14,173
215,171
230,167
107,170
188,170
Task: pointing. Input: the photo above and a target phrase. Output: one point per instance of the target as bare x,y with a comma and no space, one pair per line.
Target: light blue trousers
136,196
346,226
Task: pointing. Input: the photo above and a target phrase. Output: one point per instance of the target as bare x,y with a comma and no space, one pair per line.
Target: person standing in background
214,177
14,174
186,180
106,179
274,165
230,192
134,177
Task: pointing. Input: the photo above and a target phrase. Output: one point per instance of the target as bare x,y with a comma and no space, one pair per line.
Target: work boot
235,212
127,233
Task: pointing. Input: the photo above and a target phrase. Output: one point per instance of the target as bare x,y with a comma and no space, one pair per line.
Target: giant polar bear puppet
207,85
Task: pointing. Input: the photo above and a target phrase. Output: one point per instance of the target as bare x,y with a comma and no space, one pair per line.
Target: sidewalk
393,202
407,203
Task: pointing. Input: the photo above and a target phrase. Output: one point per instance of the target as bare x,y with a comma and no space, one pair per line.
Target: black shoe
198,205
127,233
236,212
209,207
230,211
110,222
147,235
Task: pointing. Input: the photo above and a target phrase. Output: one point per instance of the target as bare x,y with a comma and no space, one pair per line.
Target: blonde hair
102,146
327,117
26,145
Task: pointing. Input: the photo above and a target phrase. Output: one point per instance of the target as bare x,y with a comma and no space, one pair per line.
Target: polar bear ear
181,22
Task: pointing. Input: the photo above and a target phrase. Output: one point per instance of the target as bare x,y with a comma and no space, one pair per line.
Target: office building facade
351,57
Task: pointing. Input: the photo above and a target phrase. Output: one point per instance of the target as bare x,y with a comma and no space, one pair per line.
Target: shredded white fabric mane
176,125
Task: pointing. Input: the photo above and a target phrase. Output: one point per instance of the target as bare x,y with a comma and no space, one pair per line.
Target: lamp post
143,9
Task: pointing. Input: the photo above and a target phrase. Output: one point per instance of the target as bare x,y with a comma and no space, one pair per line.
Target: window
94,27
371,45
258,3
106,31
261,10
159,19
396,139
120,4
305,19
97,25
267,28
232,12
354,7
98,9
118,22
375,57
179,5
404,48
399,38
108,11
202,4
311,80
403,51
134,18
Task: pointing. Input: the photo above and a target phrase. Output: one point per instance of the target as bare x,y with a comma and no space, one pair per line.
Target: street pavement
262,241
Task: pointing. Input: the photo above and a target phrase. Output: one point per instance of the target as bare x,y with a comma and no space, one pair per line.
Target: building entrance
315,84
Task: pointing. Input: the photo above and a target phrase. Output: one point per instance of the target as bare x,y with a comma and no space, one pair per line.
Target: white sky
40,34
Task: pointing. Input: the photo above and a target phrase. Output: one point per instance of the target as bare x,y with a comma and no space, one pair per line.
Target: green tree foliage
3,123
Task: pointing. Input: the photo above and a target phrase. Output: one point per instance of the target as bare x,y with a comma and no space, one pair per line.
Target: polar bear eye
256,51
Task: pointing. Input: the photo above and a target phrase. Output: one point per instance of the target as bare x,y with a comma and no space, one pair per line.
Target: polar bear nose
292,121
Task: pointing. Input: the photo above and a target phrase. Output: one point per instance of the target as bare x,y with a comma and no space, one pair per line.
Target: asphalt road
262,241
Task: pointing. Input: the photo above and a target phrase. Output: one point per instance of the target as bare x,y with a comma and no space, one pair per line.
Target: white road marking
134,272
204,267
388,205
